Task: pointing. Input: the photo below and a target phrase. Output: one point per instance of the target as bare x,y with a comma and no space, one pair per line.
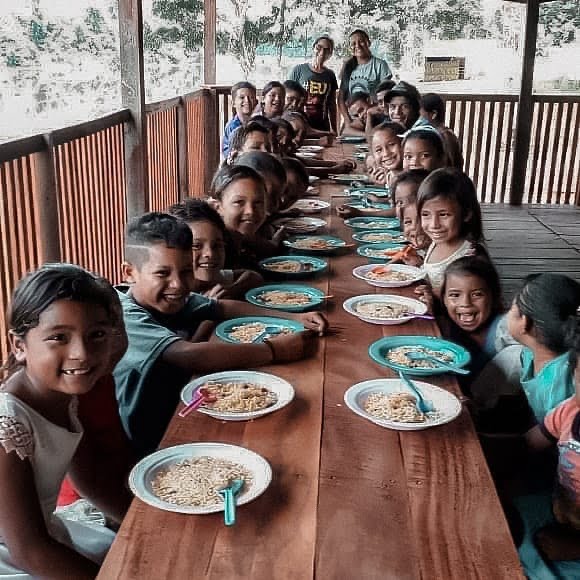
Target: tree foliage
561,21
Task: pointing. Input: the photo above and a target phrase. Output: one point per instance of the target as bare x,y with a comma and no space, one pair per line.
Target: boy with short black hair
253,136
161,316
295,96
244,102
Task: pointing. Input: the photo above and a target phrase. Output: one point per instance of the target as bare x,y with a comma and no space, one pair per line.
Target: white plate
447,406
301,225
361,272
417,306
313,178
312,191
310,205
143,474
315,148
283,390
307,154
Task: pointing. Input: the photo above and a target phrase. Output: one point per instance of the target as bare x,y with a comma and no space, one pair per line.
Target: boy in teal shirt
161,316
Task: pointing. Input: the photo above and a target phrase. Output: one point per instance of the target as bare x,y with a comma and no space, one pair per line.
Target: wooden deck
532,238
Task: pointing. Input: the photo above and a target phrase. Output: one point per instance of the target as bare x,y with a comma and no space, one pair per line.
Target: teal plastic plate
378,191
371,206
351,139
310,264
379,237
224,329
378,352
367,251
373,223
349,177
328,244
316,297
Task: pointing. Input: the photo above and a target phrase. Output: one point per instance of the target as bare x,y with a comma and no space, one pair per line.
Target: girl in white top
62,325
451,217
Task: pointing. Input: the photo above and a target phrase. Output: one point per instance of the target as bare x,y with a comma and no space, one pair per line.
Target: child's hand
218,291
313,321
279,235
291,347
424,293
378,175
412,259
345,211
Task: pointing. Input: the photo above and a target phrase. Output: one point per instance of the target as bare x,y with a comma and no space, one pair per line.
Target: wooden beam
209,42
133,93
525,106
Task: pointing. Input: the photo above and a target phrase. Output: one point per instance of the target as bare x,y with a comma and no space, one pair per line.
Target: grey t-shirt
320,88
367,77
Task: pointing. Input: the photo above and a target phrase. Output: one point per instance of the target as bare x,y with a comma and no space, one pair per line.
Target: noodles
314,244
383,274
382,310
384,254
247,333
398,356
280,297
238,397
399,407
374,225
289,266
196,482
382,237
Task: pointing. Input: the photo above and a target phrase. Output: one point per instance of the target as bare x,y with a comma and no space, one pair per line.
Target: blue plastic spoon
229,495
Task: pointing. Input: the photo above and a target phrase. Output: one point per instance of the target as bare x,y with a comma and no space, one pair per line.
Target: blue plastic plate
377,191
373,223
315,265
316,296
367,250
332,244
370,206
384,236
378,352
351,139
224,329
349,177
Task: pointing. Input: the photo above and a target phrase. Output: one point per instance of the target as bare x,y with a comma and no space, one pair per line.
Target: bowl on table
367,399
287,297
391,352
315,244
248,329
388,276
373,223
351,139
379,253
301,225
349,177
379,237
293,266
369,206
384,308
376,191
310,205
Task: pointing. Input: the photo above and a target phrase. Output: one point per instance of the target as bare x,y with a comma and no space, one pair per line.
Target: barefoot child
162,314
61,321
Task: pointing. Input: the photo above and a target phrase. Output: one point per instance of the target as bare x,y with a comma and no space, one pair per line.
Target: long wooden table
348,499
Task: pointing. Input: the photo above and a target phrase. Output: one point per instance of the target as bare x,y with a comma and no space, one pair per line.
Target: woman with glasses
320,84
363,72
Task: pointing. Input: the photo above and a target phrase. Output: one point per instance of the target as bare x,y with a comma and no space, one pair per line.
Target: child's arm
345,211
23,529
236,308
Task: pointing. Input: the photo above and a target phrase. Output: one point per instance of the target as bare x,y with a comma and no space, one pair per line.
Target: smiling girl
62,323
423,149
273,100
385,147
451,217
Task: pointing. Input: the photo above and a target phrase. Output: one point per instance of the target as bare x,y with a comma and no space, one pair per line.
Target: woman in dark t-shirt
320,84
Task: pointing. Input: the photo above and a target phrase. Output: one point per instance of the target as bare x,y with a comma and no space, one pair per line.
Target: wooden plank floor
532,238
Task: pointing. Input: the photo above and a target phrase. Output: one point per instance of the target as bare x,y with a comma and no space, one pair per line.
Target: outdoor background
59,59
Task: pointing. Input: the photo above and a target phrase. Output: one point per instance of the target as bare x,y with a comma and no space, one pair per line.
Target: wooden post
210,136
182,167
525,106
133,92
209,42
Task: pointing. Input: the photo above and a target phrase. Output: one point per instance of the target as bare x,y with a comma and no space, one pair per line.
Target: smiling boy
244,101
161,315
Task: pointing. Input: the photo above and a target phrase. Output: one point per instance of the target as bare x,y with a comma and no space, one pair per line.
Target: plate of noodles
373,223
247,329
313,148
351,139
318,244
293,266
369,206
391,352
349,177
376,191
310,205
186,478
384,308
301,225
379,253
379,237
389,403
289,297
388,276
240,395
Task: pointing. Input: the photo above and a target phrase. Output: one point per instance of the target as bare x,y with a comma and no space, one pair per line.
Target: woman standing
320,84
362,73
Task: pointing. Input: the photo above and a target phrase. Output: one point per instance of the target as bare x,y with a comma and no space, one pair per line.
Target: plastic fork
267,330
438,362
201,397
423,405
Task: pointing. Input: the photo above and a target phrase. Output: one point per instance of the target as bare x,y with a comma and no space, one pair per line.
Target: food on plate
248,332
386,253
314,244
289,266
196,482
382,310
382,237
399,407
398,356
385,274
374,225
283,297
234,397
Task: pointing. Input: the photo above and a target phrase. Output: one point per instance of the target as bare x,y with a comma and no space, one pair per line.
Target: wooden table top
348,498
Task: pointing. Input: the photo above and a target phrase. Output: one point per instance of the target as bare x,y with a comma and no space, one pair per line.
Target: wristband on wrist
271,347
